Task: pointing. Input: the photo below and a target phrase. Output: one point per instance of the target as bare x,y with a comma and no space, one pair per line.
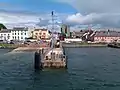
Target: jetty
52,57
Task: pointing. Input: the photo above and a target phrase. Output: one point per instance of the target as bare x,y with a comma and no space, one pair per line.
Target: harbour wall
76,45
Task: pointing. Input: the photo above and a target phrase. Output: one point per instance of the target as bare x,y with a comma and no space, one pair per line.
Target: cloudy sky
76,13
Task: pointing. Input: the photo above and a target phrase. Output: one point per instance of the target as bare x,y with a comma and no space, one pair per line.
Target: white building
68,40
21,33
5,35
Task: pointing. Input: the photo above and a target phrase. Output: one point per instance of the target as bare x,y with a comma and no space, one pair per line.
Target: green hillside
2,26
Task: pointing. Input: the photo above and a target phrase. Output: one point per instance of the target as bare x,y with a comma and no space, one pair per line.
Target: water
88,69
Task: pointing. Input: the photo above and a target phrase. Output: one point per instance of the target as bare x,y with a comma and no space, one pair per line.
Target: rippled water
88,69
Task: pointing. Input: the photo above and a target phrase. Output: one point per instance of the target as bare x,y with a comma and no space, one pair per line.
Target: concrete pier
52,58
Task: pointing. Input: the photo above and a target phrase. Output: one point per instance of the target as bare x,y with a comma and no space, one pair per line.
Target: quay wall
76,45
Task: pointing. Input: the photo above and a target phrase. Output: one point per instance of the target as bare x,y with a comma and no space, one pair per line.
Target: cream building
41,34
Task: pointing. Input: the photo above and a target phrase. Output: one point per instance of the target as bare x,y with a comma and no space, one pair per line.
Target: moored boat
114,45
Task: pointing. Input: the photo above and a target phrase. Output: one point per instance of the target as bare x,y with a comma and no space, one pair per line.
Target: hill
2,26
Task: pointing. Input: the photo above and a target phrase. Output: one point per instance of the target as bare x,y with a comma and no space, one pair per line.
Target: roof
20,29
81,32
44,29
5,31
107,34
40,29
36,29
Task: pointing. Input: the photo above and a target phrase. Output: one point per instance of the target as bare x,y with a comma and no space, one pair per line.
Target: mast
52,46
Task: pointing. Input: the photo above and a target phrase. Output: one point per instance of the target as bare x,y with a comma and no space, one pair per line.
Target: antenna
52,46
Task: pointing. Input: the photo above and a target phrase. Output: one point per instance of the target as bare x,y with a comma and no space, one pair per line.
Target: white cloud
80,19
93,6
103,19
11,20
28,20
105,13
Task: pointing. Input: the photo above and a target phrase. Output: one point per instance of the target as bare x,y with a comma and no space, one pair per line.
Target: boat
114,44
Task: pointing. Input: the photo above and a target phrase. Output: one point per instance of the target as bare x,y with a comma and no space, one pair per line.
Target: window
4,34
8,34
12,33
18,33
36,33
21,37
39,33
13,37
18,37
21,33
15,33
8,37
25,33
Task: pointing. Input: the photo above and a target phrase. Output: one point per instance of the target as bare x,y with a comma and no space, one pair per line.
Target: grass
7,45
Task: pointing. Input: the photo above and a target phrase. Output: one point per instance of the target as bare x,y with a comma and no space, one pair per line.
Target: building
85,35
21,33
68,40
106,36
41,34
5,35
65,30
78,34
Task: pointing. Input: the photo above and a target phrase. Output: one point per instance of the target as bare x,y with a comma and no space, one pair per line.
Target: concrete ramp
26,49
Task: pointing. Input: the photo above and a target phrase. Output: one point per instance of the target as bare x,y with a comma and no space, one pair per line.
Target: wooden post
37,61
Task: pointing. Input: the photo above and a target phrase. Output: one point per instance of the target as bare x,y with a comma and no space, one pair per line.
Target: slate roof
40,29
107,34
5,31
19,29
80,33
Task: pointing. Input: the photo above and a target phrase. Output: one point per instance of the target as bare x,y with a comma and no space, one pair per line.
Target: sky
76,13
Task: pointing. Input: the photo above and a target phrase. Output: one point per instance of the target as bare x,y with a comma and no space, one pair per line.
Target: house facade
106,37
41,34
5,35
21,33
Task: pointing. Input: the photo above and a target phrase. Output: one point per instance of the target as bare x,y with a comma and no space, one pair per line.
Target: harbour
87,70
59,45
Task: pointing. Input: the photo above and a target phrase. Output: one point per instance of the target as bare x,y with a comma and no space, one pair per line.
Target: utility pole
52,46
52,41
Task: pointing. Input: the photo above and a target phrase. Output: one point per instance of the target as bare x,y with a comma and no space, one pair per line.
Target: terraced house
41,34
17,33
5,34
107,36
21,33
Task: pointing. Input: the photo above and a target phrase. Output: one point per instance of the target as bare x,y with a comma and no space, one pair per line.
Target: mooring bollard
37,60
64,51
66,58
